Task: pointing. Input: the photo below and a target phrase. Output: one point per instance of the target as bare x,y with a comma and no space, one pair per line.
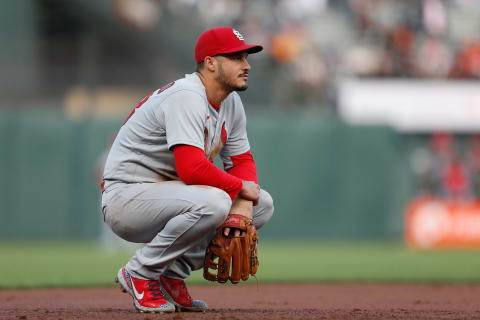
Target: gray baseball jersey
175,220
178,113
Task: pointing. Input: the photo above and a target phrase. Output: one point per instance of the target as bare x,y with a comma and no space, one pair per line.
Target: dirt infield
309,301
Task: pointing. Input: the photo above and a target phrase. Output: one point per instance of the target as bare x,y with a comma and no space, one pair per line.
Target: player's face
232,71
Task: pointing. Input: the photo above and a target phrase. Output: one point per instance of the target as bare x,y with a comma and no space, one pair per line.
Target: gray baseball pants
175,220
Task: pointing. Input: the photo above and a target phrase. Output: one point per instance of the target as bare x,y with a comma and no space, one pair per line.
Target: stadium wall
329,180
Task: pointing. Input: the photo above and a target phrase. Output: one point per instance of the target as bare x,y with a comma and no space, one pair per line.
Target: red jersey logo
223,135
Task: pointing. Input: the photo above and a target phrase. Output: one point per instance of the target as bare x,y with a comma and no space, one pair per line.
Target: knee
264,210
216,204
122,228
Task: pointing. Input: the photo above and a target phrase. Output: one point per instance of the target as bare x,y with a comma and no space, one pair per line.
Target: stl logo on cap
238,34
222,40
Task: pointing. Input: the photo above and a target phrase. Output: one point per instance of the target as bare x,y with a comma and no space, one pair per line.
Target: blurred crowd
103,52
448,167
312,42
91,50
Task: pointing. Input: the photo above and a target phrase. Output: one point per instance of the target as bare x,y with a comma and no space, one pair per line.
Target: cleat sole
120,285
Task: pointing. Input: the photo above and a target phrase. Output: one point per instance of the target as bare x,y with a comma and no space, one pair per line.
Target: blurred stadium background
355,108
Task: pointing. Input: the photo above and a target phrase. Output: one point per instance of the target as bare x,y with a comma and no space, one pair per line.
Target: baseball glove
238,253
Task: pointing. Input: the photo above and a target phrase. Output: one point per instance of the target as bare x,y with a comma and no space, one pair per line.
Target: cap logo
238,35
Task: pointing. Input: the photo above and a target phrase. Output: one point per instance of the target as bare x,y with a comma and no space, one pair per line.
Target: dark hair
200,66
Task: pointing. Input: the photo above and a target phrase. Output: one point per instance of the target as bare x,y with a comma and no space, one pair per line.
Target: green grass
32,265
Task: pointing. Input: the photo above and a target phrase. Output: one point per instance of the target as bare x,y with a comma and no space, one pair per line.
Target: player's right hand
250,191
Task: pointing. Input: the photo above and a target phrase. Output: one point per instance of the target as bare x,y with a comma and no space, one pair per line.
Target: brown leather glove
238,253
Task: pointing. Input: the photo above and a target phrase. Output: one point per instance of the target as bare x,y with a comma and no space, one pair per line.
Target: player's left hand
237,255
240,207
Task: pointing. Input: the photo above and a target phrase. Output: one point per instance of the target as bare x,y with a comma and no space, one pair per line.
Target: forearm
242,207
194,168
244,167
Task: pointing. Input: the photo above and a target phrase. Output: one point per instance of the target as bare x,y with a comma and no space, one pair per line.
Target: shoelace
155,289
180,286
185,290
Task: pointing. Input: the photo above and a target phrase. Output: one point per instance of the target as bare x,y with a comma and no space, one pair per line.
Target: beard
228,83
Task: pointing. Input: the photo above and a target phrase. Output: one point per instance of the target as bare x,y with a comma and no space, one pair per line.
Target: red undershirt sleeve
194,168
244,167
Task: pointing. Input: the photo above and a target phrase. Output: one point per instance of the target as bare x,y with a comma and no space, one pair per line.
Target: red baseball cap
222,40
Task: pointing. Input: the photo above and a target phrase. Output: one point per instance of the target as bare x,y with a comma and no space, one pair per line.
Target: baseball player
160,186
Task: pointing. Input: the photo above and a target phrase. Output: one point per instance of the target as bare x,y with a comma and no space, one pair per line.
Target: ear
210,63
